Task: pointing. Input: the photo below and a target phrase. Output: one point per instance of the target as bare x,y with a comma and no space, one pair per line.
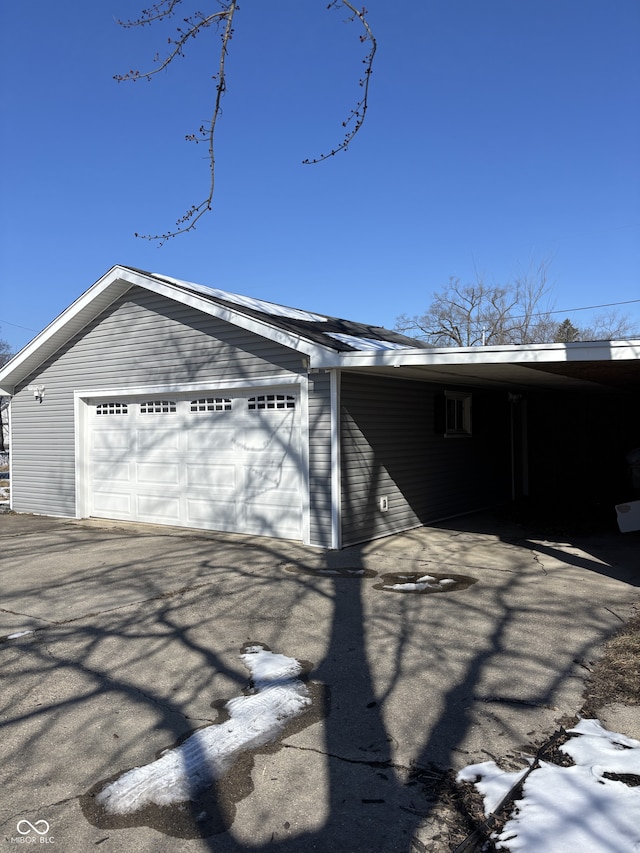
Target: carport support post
336,479
518,430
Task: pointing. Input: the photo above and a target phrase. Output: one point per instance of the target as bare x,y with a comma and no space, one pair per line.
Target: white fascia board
105,291
513,354
66,324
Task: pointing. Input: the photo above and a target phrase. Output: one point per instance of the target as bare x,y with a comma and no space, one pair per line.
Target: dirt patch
615,677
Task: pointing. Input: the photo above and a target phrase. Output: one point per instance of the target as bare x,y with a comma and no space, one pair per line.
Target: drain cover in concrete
423,584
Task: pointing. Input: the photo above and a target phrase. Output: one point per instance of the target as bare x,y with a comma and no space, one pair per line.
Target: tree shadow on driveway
404,686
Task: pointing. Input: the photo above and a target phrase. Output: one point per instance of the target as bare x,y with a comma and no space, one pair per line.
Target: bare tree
5,352
612,326
5,355
221,19
467,315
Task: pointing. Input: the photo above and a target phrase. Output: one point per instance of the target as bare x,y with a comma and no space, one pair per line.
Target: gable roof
307,332
330,343
330,332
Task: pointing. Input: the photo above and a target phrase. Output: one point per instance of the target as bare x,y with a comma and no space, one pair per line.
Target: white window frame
158,407
460,425
109,409
210,404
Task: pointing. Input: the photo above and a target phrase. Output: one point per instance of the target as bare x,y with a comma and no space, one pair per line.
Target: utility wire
16,326
517,317
573,310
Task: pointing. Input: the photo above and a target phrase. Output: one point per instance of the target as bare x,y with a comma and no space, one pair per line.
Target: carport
563,418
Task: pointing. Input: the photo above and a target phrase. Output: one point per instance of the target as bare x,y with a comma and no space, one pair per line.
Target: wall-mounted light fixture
38,393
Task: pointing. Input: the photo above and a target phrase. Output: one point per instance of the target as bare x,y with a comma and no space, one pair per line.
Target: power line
16,326
573,310
592,307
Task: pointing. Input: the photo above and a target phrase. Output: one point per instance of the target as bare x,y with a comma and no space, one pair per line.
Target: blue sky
499,134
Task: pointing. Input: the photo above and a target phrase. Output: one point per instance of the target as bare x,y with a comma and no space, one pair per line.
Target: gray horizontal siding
320,459
142,339
389,447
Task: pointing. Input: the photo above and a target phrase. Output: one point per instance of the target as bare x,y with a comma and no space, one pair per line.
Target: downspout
336,463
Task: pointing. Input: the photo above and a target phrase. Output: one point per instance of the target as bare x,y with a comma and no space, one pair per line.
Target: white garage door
215,461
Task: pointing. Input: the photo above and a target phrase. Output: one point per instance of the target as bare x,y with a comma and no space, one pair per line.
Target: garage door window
272,401
111,409
211,404
157,407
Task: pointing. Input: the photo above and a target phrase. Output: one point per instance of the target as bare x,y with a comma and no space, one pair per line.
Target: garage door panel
111,472
218,514
256,442
214,463
113,503
272,521
157,440
158,474
211,476
110,441
261,479
266,504
271,478
158,508
216,438
274,443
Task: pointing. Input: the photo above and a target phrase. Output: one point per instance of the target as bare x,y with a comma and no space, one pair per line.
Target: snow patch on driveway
254,720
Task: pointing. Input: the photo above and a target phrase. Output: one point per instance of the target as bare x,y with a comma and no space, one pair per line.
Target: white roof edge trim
262,305
109,279
119,279
522,354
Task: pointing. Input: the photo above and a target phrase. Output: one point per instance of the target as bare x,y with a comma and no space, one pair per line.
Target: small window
157,407
211,404
272,401
111,409
457,414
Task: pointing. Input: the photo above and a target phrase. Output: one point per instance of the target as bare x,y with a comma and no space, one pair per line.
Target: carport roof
332,343
593,366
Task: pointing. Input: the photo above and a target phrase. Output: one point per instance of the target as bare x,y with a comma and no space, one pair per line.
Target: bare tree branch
357,115
481,314
611,326
156,13
194,25
516,313
222,19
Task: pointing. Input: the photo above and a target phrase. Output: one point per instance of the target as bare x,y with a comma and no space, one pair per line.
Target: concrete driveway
135,641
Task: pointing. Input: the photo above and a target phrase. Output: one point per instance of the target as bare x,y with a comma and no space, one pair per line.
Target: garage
153,399
212,460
